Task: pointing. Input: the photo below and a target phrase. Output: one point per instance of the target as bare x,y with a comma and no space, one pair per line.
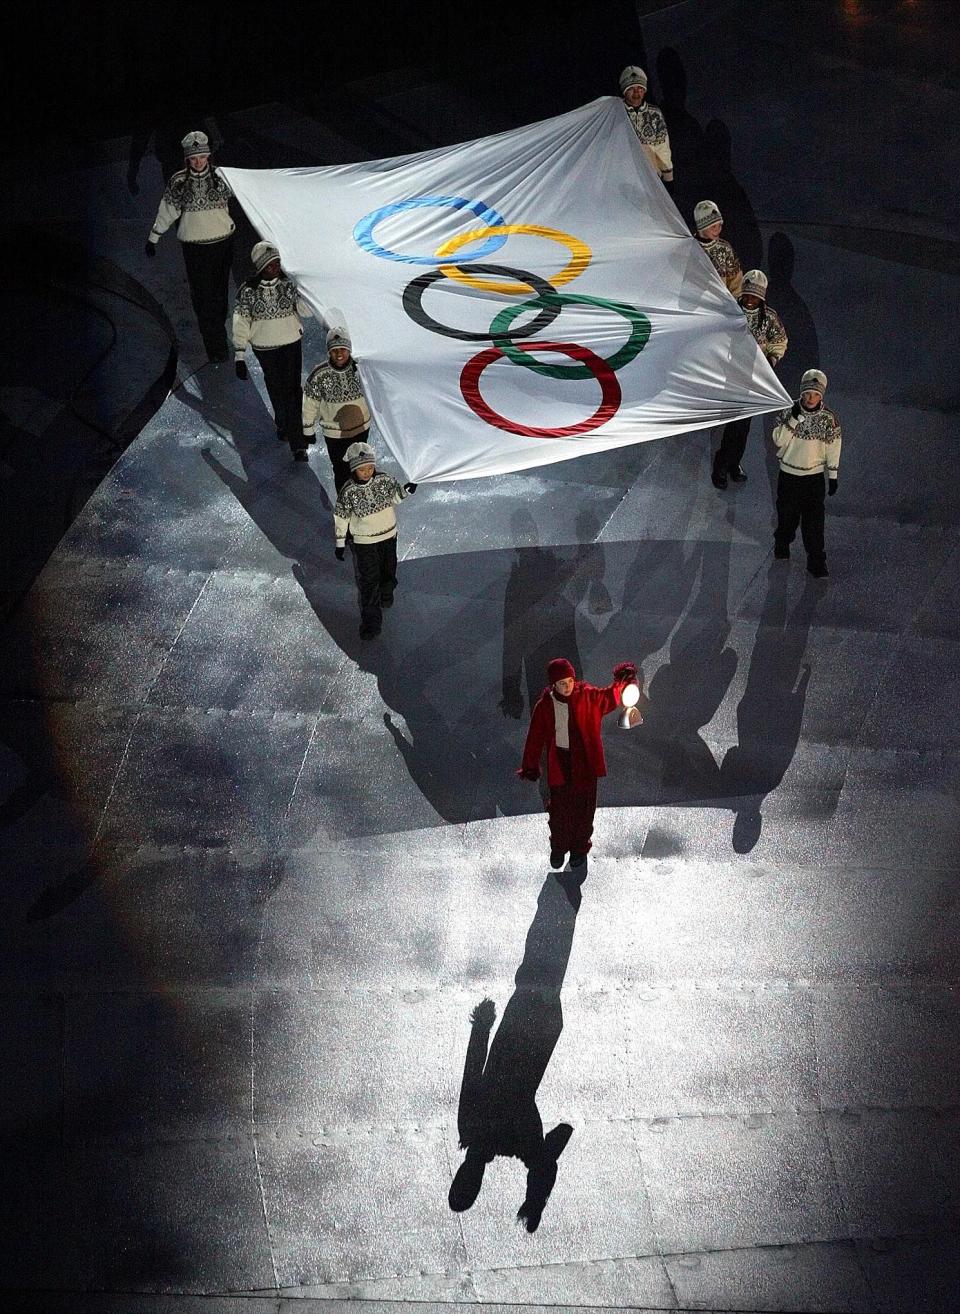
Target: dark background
101,69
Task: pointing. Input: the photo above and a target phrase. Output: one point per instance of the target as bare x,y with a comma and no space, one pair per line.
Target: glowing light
629,697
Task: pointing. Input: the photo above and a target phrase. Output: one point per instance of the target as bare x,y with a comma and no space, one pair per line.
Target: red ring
611,395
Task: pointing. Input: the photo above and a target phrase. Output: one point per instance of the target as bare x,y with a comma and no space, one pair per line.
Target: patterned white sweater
767,329
335,398
650,126
808,443
200,202
367,509
268,314
725,262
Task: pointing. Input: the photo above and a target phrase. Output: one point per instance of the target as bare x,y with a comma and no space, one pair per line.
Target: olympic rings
635,343
547,302
611,395
547,298
363,229
580,254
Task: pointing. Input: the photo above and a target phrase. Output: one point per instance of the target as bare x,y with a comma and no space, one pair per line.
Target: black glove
410,488
241,368
339,553
831,487
773,362
150,249
795,410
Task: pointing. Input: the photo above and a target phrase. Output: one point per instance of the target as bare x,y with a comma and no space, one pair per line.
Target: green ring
635,343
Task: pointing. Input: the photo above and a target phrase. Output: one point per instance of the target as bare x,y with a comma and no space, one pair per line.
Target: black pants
800,502
733,444
282,367
336,450
375,566
208,273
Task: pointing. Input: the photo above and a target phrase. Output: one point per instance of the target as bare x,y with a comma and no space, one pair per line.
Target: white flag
516,300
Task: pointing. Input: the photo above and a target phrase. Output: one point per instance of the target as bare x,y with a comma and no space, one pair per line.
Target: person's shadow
803,351
686,134
286,501
770,713
539,616
740,226
497,1113
166,133
803,344
687,690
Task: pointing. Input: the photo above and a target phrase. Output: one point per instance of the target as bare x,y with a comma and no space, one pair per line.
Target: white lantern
629,697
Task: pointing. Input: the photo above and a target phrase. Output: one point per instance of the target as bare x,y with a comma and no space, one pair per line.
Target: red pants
571,810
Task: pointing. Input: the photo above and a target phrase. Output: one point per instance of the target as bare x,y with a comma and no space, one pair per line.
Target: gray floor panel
322,1192
711,1050
914,1153
327,911
176,1216
913,1276
718,1183
887,1046
825,1277
191,775
54,802
628,1281
114,624
116,918
288,665
323,1050
140,1069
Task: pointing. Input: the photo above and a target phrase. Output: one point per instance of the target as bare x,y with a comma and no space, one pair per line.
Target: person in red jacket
566,722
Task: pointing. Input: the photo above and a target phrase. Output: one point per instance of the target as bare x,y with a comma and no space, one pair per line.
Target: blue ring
363,231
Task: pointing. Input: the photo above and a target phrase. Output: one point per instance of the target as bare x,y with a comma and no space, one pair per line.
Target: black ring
413,303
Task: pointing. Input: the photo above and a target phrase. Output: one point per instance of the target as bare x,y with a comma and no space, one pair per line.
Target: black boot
557,858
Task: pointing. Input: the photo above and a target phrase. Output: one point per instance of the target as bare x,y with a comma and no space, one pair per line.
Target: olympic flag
521,299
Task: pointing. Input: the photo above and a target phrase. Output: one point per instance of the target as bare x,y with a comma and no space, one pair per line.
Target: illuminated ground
263,872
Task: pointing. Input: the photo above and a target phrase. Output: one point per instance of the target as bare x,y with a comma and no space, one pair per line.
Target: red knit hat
560,669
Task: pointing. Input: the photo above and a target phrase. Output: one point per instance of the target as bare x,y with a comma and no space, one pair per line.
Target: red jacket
588,705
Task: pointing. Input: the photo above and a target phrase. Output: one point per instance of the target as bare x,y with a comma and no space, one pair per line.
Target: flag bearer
709,224
333,395
197,200
267,318
364,509
771,337
647,122
807,438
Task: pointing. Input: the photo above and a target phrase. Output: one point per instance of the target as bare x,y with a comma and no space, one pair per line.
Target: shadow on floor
497,1113
463,657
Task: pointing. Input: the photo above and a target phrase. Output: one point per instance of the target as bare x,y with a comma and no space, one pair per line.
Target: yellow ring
580,256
